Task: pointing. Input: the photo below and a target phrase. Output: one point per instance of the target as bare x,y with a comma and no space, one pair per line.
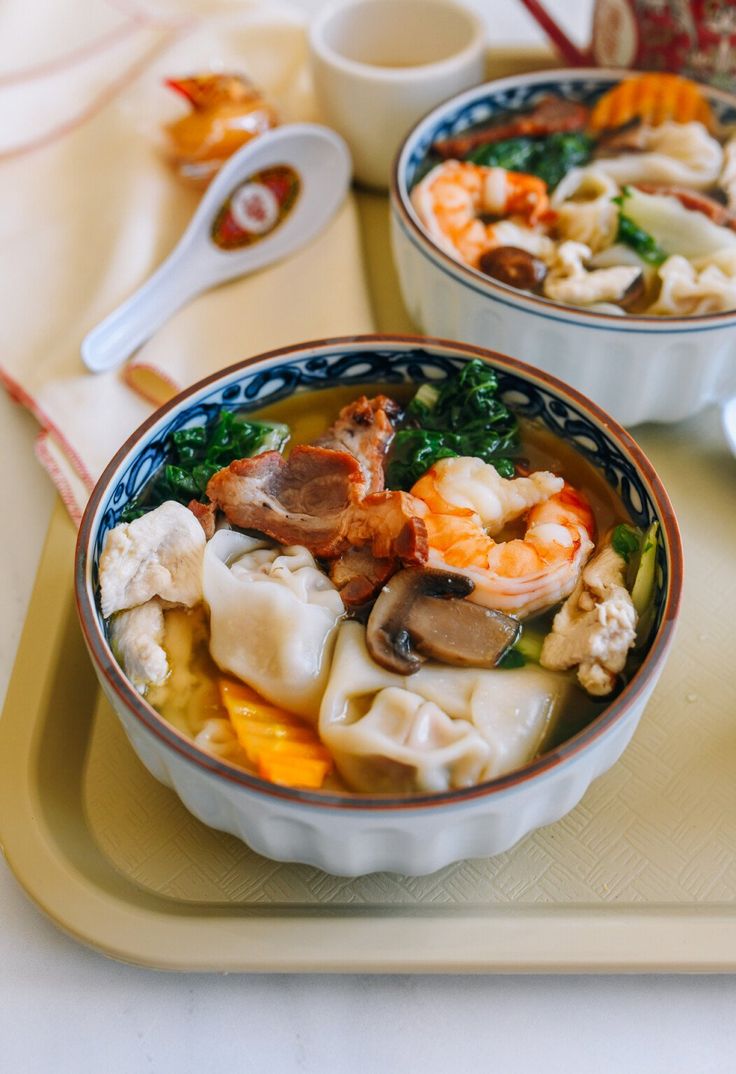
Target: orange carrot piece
653,98
285,749
293,772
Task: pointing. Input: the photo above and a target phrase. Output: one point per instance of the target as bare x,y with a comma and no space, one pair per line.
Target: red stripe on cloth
18,393
104,98
70,59
51,467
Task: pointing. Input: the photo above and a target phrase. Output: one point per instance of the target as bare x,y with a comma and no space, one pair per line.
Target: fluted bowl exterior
348,834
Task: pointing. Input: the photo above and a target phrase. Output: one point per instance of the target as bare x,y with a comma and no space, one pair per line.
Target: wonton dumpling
680,154
272,618
585,210
157,555
437,730
137,637
707,285
569,281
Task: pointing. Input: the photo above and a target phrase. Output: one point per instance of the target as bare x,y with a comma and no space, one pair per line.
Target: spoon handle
132,323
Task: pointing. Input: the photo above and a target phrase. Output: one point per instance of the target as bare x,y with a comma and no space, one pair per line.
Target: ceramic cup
379,65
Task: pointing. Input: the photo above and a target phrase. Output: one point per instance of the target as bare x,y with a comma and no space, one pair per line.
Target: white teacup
379,65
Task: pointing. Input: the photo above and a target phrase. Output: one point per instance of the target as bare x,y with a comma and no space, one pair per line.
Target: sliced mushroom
420,614
514,266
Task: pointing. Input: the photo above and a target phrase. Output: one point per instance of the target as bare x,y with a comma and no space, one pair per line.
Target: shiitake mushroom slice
513,266
422,614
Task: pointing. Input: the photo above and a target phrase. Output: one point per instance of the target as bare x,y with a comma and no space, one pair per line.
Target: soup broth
189,699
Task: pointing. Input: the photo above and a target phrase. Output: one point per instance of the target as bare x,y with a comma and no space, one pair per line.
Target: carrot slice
653,98
285,749
293,772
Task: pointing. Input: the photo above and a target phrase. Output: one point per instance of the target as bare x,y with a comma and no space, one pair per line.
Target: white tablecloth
67,1010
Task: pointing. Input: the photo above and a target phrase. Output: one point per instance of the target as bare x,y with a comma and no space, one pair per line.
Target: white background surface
69,1010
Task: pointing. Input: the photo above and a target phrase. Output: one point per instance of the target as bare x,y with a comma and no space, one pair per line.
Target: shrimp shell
452,197
521,576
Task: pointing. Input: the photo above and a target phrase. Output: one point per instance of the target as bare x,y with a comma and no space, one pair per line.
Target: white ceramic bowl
637,368
378,65
352,834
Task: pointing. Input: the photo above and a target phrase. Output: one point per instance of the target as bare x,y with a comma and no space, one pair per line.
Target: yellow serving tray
641,876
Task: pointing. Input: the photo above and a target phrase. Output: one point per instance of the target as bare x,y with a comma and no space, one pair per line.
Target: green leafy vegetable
512,659
626,541
640,241
549,158
639,550
642,591
462,416
527,650
195,454
515,154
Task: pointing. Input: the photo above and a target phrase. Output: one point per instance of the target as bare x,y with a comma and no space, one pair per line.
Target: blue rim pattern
494,102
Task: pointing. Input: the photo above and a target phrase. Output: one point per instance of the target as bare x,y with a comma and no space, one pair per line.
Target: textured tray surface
640,876
660,827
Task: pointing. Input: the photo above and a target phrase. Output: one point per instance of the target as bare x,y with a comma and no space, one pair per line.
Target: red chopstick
561,41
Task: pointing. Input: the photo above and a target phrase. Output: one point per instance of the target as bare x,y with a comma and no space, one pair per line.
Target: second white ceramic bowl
637,368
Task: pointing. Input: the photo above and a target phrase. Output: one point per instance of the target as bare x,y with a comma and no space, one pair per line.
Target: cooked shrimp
520,576
451,199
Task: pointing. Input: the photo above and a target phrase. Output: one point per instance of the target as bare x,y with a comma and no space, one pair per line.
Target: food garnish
548,158
653,98
283,748
644,244
626,541
463,416
227,111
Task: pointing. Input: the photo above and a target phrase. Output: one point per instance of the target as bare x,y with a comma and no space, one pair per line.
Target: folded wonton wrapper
437,730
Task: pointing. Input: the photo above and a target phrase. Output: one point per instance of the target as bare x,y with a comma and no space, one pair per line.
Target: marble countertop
67,1009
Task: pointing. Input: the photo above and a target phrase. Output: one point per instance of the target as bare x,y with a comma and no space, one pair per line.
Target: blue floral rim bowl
638,368
350,834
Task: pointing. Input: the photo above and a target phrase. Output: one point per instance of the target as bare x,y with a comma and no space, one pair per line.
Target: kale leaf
549,158
195,454
626,541
462,416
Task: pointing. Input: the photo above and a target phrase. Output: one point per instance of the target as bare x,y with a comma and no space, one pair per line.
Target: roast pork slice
365,429
315,498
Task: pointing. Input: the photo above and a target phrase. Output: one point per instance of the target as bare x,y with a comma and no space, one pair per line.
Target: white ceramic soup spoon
270,198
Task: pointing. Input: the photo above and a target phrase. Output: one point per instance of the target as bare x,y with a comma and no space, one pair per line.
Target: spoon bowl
273,196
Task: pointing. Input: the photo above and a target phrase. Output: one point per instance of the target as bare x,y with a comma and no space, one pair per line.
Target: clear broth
190,697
